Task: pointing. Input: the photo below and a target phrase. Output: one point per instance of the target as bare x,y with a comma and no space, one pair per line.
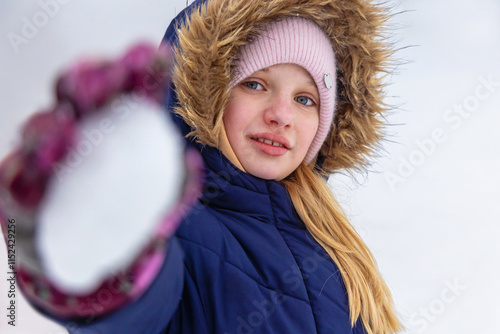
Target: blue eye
304,100
253,85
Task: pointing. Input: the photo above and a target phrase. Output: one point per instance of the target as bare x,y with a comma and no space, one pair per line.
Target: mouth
271,139
269,142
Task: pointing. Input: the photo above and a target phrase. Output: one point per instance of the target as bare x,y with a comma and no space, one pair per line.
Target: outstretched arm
97,188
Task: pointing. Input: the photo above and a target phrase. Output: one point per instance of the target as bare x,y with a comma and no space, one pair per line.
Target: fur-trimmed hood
208,35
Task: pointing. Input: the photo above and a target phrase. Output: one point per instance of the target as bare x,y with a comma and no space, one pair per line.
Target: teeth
270,142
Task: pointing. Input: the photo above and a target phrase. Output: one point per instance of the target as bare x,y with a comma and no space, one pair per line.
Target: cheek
309,129
233,112
229,115
233,122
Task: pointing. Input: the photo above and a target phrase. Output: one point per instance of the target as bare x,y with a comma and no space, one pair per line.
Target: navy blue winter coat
242,261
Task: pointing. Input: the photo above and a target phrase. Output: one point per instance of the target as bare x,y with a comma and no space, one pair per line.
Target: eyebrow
310,80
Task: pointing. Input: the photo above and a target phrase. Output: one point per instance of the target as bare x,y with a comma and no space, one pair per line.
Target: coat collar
230,189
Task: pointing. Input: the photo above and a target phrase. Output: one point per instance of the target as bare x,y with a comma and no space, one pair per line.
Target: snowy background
429,210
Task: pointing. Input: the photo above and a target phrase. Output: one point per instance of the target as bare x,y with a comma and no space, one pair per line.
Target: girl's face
271,120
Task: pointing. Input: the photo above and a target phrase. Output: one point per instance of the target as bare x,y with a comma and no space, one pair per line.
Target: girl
276,96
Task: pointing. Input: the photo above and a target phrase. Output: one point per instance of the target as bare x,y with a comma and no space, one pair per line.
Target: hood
208,35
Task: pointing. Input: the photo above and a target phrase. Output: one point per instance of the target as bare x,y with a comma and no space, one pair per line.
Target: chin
267,174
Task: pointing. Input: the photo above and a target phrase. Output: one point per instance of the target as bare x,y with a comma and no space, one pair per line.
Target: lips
270,143
271,139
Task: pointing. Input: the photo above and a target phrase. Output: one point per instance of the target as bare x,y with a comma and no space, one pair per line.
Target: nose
279,111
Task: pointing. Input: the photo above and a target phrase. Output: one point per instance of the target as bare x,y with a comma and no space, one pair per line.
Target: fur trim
213,33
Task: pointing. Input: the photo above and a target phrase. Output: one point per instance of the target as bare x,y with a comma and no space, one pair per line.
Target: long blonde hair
368,294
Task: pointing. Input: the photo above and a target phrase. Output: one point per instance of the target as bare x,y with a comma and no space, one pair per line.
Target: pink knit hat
298,41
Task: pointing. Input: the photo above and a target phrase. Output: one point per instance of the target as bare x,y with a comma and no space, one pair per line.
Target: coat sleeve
151,313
